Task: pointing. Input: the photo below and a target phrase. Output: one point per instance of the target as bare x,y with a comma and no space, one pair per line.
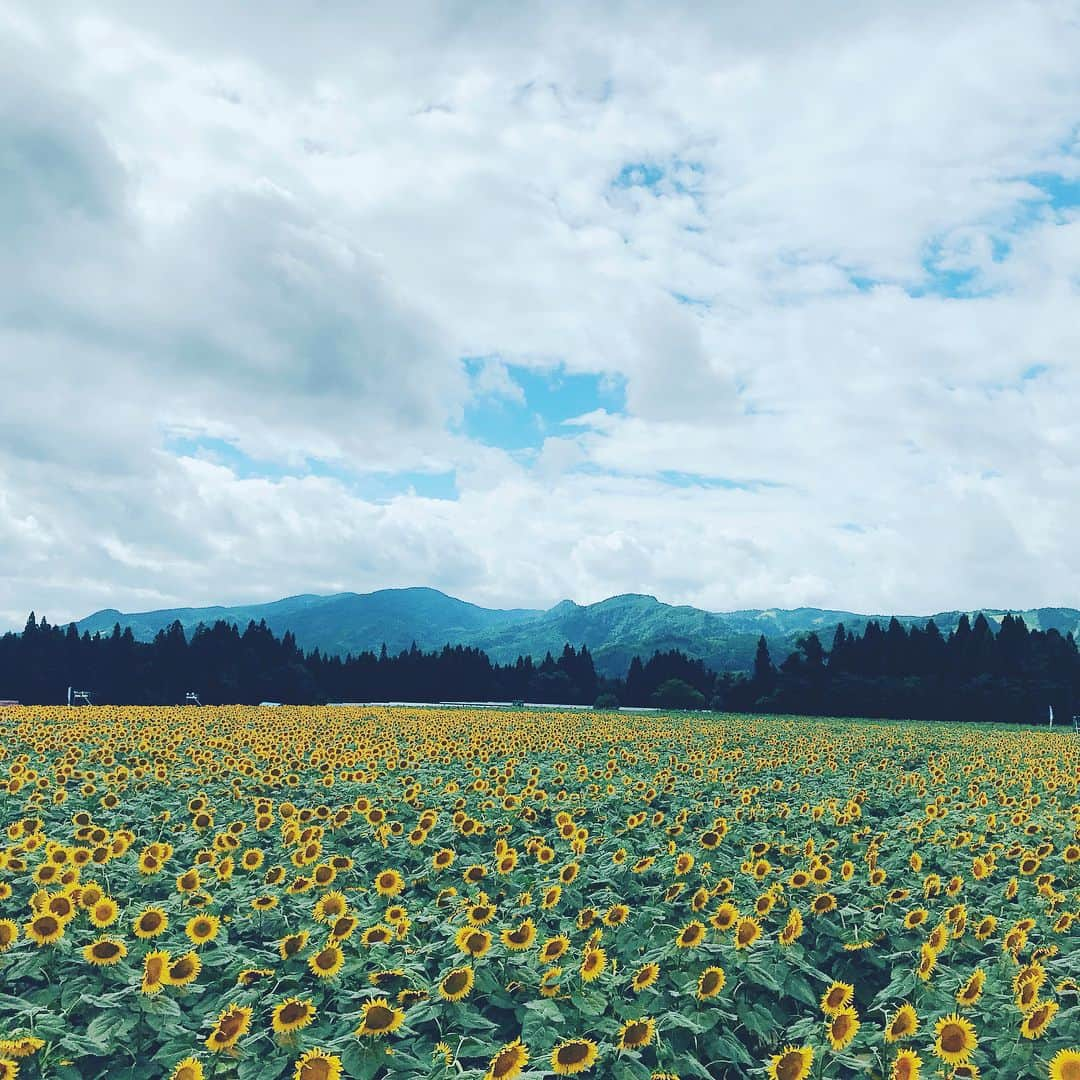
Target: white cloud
283,231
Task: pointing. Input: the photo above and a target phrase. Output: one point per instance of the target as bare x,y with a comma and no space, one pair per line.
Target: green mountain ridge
615,629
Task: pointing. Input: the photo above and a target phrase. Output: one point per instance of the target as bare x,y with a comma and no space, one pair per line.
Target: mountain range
615,629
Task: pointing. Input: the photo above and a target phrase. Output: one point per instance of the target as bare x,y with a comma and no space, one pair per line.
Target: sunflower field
315,893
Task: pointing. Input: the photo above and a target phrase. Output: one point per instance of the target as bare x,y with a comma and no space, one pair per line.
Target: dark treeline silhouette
973,673
222,664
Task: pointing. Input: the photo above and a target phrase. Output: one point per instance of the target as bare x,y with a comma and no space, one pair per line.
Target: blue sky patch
551,398
676,176
1062,193
725,483
639,174
373,486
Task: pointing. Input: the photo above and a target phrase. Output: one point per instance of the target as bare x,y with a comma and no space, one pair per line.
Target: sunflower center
378,1018
790,1067
709,982
319,1069
573,1053
230,1025
952,1038
505,1062
292,1012
1070,1070
106,950
636,1034
455,982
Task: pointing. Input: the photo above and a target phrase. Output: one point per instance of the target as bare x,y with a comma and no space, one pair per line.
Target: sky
739,305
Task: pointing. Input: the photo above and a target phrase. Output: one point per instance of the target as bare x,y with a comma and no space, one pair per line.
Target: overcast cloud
739,305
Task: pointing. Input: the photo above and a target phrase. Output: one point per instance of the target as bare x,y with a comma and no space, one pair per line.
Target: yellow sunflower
231,1024
691,935
472,941
842,1028
23,1046
508,1062
150,923
1065,1065
379,934
907,1065
293,944
955,1039
188,1069
635,1034
573,1056
389,883
970,992
553,948
792,1063
593,963
793,928
105,952
45,929
521,937
104,912
902,1024
747,931
1036,1022
9,934
725,917
378,1017
710,982
155,972
202,928
292,1014
644,977
457,984
837,997
318,1065
327,962
185,969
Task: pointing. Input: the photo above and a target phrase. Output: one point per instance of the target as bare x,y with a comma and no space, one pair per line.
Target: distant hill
342,623
614,629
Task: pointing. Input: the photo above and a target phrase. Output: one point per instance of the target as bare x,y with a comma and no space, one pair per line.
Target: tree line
892,671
